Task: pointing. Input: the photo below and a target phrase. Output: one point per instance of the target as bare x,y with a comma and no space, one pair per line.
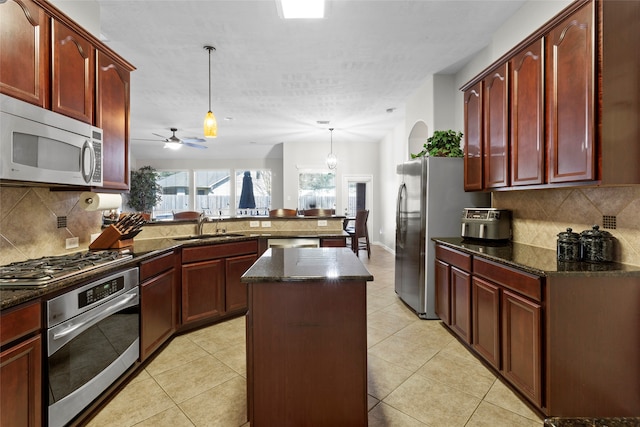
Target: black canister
597,246
568,246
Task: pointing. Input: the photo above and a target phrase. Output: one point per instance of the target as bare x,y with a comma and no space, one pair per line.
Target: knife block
111,238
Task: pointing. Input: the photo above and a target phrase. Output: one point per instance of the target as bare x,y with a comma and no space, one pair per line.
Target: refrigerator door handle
399,225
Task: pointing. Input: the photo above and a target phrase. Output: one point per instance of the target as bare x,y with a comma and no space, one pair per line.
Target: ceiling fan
174,143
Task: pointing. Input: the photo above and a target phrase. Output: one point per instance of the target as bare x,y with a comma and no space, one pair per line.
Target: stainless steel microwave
42,146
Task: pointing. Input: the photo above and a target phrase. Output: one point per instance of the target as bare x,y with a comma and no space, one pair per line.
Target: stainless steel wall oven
92,339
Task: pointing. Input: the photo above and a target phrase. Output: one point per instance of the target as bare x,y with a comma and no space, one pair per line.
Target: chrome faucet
201,220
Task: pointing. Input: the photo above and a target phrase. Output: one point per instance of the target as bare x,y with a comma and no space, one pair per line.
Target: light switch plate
71,242
266,224
254,223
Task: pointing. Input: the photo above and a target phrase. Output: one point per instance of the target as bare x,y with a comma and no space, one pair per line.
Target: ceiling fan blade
190,144
164,138
193,139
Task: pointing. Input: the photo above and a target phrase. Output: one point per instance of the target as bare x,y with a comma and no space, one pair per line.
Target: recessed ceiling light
390,110
301,9
228,118
323,122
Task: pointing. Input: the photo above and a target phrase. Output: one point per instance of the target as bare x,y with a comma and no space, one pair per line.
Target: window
212,192
253,192
316,190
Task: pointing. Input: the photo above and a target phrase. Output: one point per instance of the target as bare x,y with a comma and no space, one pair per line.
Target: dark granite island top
307,338
307,264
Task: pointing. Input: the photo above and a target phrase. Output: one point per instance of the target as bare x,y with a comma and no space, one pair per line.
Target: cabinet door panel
202,290
112,115
570,98
496,129
486,320
236,291
443,298
521,338
20,382
158,311
527,116
461,303
473,138
24,51
73,74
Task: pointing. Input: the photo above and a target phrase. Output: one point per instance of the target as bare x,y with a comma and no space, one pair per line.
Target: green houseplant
443,143
144,191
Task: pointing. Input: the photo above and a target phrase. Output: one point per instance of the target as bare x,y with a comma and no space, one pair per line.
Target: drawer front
221,250
156,265
20,322
453,257
524,283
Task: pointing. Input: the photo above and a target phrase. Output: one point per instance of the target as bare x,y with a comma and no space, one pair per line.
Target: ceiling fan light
210,126
172,145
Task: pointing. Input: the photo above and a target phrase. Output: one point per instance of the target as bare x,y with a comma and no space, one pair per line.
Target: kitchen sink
208,236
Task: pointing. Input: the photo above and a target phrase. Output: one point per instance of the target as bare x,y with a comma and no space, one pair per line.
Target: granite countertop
592,422
306,265
141,250
533,259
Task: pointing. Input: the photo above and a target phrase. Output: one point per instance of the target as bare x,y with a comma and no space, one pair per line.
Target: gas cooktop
40,272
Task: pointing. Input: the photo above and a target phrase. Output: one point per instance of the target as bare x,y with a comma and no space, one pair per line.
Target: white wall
84,12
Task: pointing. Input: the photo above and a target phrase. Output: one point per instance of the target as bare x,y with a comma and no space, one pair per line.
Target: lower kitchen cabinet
485,313
211,285
461,303
158,301
443,291
453,290
21,367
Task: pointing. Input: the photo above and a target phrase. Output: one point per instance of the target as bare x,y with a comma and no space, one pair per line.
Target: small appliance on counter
486,223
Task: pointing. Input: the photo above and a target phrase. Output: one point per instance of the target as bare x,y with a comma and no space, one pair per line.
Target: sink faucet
201,220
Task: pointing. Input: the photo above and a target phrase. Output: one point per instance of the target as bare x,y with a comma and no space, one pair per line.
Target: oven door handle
88,321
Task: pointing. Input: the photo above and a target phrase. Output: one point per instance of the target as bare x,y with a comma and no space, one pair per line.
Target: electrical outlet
266,224
93,237
322,223
71,242
254,223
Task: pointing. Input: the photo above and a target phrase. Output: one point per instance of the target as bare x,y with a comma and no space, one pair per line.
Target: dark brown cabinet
496,128
112,116
527,116
24,52
485,313
453,290
461,303
158,301
570,105
21,367
73,74
211,286
473,134
443,291
235,290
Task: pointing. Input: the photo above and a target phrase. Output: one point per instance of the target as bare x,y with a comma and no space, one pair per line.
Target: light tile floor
418,374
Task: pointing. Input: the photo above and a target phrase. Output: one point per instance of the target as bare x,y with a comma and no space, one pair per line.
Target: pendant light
332,160
210,122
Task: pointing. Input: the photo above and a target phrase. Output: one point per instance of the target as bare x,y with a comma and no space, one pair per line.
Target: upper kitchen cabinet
573,103
24,51
527,116
496,128
569,100
112,116
73,73
473,131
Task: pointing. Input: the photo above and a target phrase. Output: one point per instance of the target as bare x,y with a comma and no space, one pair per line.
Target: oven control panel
101,291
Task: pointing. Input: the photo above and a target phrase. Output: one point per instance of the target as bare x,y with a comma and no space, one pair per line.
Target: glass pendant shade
210,125
332,161
172,145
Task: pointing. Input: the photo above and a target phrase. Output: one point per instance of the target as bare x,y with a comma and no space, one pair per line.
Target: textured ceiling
275,79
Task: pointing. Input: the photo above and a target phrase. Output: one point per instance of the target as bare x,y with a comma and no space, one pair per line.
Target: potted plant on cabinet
145,191
443,143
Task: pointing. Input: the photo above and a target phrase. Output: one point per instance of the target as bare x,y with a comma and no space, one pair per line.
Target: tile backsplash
539,215
29,220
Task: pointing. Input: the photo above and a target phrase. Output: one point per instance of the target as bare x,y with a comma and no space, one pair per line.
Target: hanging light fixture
332,160
210,122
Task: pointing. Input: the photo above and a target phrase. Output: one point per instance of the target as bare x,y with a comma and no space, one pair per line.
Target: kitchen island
307,338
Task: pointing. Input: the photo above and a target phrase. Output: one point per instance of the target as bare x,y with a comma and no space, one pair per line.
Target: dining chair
186,215
360,231
283,212
319,212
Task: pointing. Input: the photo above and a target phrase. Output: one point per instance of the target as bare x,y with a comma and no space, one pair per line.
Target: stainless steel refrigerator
430,200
